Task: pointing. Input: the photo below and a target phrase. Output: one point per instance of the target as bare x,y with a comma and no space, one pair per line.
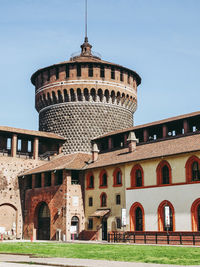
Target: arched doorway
43,232
8,221
195,213
74,227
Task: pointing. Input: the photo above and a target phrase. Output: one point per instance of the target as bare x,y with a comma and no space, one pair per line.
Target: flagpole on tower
86,38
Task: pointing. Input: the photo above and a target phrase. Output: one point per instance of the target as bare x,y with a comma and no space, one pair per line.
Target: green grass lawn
134,253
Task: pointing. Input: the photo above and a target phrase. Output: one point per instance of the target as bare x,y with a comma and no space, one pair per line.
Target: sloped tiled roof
154,123
30,132
70,161
149,151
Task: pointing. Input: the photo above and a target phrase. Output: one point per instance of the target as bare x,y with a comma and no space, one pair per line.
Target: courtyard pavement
7,260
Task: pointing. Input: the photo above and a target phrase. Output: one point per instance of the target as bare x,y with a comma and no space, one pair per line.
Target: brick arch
100,94
79,94
132,216
37,210
161,216
159,172
133,175
93,94
11,216
107,95
54,98
66,95
194,215
86,94
59,96
188,167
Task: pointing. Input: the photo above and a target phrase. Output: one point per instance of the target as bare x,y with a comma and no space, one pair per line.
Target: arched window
163,173
90,181
137,175
195,213
103,179
166,216
136,214
103,199
117,177
192,167
195,171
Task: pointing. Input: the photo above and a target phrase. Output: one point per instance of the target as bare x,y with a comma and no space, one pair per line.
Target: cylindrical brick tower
85,97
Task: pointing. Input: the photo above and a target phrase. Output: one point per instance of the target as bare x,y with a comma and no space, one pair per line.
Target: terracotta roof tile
148,151
171,119
31,132
70,161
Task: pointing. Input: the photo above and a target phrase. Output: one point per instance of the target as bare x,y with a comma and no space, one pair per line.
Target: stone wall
10,202
80,122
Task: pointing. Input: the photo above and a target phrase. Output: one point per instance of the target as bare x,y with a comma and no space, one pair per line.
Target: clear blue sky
158,39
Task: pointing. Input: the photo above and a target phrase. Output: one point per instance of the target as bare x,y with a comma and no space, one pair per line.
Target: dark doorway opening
43,232
104,229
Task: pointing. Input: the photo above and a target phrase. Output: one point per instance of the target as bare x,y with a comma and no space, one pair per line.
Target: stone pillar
185,126
14,145
164,131
42,179
145,135
33,181
35,148
110,143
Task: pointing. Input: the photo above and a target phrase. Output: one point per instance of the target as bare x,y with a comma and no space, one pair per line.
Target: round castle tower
85,97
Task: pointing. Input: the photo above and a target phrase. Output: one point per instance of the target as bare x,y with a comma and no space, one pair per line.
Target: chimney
132,140
95,152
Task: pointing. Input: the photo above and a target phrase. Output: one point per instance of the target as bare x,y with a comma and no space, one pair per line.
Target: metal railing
169,238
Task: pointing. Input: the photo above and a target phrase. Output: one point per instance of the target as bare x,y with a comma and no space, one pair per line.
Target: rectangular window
90,201
78,70
121,76
102,72
29,146
118,199
112,73
19,145
118,222
128,78
8,143
57,73
90,224
67,71
90,71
